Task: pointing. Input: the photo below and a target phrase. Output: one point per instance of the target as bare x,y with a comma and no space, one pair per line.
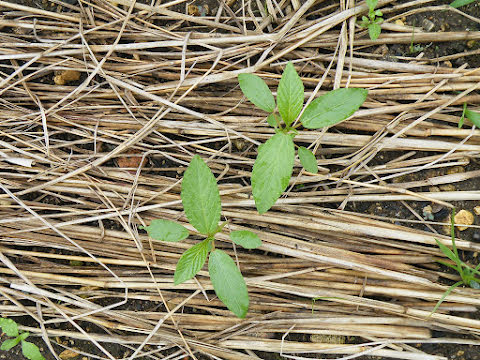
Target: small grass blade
448,253
445,294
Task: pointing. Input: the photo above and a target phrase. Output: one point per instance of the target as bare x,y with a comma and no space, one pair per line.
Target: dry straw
103,104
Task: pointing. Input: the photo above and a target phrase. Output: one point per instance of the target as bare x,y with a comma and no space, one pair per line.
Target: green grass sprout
466,272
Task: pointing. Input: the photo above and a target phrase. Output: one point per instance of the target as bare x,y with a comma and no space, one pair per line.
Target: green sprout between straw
466,272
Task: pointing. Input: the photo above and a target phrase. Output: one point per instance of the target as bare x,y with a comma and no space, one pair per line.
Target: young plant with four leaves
10,328
274,163
469,276
373,20
201,202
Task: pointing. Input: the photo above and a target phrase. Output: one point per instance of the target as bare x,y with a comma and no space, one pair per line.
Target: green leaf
458,3
448,253
372,4
462,118
272,170
257,91
246,239
31,351
308,160
473,116
10,343
9,327
166,230
472,271
191,261
228,283
374,30
333,107
200,197
454,267
290,94
271,120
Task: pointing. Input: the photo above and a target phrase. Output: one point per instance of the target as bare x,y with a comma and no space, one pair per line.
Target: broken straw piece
17,160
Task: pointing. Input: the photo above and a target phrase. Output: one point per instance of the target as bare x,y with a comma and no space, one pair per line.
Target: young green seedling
373,20
201,202
466,272
10,328
274,164
414,48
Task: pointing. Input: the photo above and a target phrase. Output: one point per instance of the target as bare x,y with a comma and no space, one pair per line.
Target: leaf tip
177,278
261,208
242,314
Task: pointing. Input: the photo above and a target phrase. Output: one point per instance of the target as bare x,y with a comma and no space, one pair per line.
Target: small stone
193,10
427,213
471,43
463,217
427,25
66,76
68,354
239,144
476,210
129,161
200,10
455,170
381,50
447,187
460,352
399,22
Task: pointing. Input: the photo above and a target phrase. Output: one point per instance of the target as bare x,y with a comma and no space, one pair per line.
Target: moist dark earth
458,53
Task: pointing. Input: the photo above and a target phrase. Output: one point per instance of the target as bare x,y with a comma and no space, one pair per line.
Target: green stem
454,247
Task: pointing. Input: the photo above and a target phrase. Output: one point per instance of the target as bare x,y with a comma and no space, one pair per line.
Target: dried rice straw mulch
103,104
